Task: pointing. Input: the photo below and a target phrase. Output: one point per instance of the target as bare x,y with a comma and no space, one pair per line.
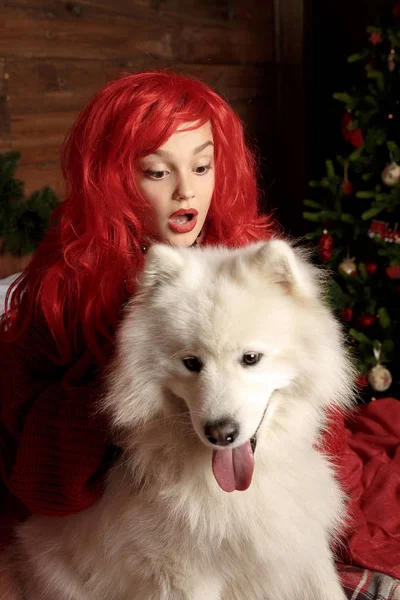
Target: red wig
79,276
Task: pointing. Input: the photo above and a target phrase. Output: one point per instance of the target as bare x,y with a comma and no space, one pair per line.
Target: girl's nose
183,191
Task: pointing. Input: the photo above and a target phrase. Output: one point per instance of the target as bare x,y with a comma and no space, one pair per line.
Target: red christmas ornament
346,314
365,321
377,229
375,38
352,136
325,247
347,187
371,268
393,272
396,10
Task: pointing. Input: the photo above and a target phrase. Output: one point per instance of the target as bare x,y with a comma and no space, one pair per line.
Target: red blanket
371,472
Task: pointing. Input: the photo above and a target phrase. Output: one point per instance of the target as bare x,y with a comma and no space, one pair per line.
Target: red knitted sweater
54,451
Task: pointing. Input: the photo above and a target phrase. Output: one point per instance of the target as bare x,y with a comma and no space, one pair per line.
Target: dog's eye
251,358
192,363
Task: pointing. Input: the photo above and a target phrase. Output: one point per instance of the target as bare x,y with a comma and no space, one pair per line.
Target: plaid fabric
361,584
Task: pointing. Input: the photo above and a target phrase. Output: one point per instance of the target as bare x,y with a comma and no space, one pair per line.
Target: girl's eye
202,170
156,174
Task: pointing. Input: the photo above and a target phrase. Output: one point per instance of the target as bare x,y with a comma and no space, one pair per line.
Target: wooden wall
55,54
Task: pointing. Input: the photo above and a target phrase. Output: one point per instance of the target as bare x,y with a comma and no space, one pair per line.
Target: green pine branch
23,221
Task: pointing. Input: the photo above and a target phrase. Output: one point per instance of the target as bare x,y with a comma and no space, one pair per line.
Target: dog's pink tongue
233,469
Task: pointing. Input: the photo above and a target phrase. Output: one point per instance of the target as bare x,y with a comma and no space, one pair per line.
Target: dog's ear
288,268
163,264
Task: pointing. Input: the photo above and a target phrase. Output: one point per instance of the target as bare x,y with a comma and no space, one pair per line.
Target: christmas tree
23,221
356,208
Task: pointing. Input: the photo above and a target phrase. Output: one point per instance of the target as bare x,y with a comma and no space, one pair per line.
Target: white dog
226,364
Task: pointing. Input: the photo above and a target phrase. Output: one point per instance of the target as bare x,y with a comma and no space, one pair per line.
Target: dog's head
218,333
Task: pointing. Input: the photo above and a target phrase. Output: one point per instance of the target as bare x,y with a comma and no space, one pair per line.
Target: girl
153,156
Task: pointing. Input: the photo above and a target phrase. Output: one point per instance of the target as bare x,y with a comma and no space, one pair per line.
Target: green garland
23,221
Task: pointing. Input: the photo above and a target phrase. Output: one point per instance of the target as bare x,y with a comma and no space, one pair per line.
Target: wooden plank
57,84
77,9
226,46
47,85
36,152
37,176
248,14
52,85
101,37
109,38
209,10
41,124
39,137
257,14
290,23
5,144
234,81
191,10
5,128
238,82
3,77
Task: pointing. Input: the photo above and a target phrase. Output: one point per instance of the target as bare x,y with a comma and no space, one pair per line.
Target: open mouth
253,443
183,220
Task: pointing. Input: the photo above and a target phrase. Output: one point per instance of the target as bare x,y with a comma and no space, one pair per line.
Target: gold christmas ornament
348,266
391,60
379,378
391,174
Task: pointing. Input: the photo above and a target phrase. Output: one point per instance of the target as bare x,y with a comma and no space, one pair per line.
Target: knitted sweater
54,450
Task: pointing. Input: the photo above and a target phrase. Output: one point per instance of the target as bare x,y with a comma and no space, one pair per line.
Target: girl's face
177,180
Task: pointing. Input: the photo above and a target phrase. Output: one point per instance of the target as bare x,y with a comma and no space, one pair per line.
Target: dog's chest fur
188,529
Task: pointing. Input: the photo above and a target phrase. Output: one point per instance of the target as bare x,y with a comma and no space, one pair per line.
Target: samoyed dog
226,365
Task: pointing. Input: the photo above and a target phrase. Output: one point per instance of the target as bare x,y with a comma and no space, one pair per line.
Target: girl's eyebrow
202,147
165,153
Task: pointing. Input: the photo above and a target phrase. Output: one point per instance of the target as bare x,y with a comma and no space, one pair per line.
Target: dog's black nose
222,432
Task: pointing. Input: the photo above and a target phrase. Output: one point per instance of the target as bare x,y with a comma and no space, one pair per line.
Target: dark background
309,118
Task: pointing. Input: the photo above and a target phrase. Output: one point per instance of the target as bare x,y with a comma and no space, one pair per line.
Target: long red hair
81,273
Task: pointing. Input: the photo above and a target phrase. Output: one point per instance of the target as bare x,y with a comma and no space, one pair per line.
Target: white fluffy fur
164,530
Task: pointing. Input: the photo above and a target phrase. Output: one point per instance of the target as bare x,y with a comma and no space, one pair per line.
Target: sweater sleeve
53,447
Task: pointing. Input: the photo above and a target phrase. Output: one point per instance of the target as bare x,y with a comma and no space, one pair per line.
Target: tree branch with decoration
23,221
355,207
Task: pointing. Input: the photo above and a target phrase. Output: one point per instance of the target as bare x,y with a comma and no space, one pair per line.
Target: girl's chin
182,239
